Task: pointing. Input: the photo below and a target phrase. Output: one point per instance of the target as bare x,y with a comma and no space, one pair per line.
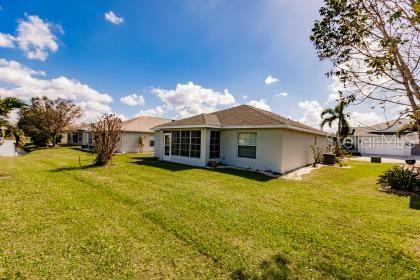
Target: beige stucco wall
64,137
130,140
268,157
297,151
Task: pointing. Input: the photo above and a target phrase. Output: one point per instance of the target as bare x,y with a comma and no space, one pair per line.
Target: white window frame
238,145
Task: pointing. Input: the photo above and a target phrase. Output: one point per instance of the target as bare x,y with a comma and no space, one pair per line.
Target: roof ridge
265,112
288,120
207,115
149,117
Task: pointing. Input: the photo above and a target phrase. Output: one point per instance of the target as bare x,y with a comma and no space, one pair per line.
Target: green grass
140,218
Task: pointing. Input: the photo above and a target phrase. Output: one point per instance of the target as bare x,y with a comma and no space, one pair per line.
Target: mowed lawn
144,219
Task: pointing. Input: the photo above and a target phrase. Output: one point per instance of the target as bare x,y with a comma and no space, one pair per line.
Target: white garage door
385,149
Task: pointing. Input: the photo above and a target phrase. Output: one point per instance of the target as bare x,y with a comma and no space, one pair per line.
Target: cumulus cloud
7,41
333,97
244,97
311,113
365,119
133,100
260,104
34,37
312,116
113,18
190,99
281,94
20,81
158,111
270,80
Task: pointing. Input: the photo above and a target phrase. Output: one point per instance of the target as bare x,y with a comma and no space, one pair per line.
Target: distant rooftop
143,124
139,124
388,127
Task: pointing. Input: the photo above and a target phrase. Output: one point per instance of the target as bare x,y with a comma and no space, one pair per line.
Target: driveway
387,158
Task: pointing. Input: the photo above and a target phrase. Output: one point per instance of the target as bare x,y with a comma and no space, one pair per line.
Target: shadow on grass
274,268
414,196
72,168
90,152
415,202
173,167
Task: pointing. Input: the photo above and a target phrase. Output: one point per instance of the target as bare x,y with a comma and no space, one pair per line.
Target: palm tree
331,115
6,106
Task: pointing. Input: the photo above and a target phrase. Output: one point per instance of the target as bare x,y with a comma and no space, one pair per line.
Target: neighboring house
132,130
241,136
79,135
384,139
139,127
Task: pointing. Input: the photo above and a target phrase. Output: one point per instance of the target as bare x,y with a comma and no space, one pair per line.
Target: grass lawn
141,218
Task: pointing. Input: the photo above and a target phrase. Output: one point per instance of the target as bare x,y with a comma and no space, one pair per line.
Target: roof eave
157,128
243,127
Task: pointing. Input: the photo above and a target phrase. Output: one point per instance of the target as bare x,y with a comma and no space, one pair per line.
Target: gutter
244,127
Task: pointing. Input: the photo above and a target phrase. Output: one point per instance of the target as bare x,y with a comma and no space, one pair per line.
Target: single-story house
78,135
384,139
242,136
132,131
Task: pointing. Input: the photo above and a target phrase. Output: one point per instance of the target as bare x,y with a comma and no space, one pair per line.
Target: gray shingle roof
241,116
388,127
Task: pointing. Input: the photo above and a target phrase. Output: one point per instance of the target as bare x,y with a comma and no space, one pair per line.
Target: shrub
106,135
400,178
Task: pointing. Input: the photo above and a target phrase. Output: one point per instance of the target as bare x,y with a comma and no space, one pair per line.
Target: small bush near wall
401,179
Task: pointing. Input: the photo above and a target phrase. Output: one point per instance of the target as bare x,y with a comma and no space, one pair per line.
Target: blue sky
217,45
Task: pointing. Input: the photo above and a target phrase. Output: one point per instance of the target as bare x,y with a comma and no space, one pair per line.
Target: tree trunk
338,139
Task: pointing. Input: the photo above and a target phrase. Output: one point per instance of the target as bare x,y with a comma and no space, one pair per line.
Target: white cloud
312,113
113,18
158,111
244,97
261,104
20,81
270,80
35,37
133,100
312,116
365,119
7,41
190,99
333,97
281,94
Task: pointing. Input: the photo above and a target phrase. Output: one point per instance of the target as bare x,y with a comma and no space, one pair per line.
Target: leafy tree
45,119
374,47
338,114
106,134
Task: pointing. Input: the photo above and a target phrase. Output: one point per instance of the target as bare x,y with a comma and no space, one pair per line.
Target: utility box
376,159
329,159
